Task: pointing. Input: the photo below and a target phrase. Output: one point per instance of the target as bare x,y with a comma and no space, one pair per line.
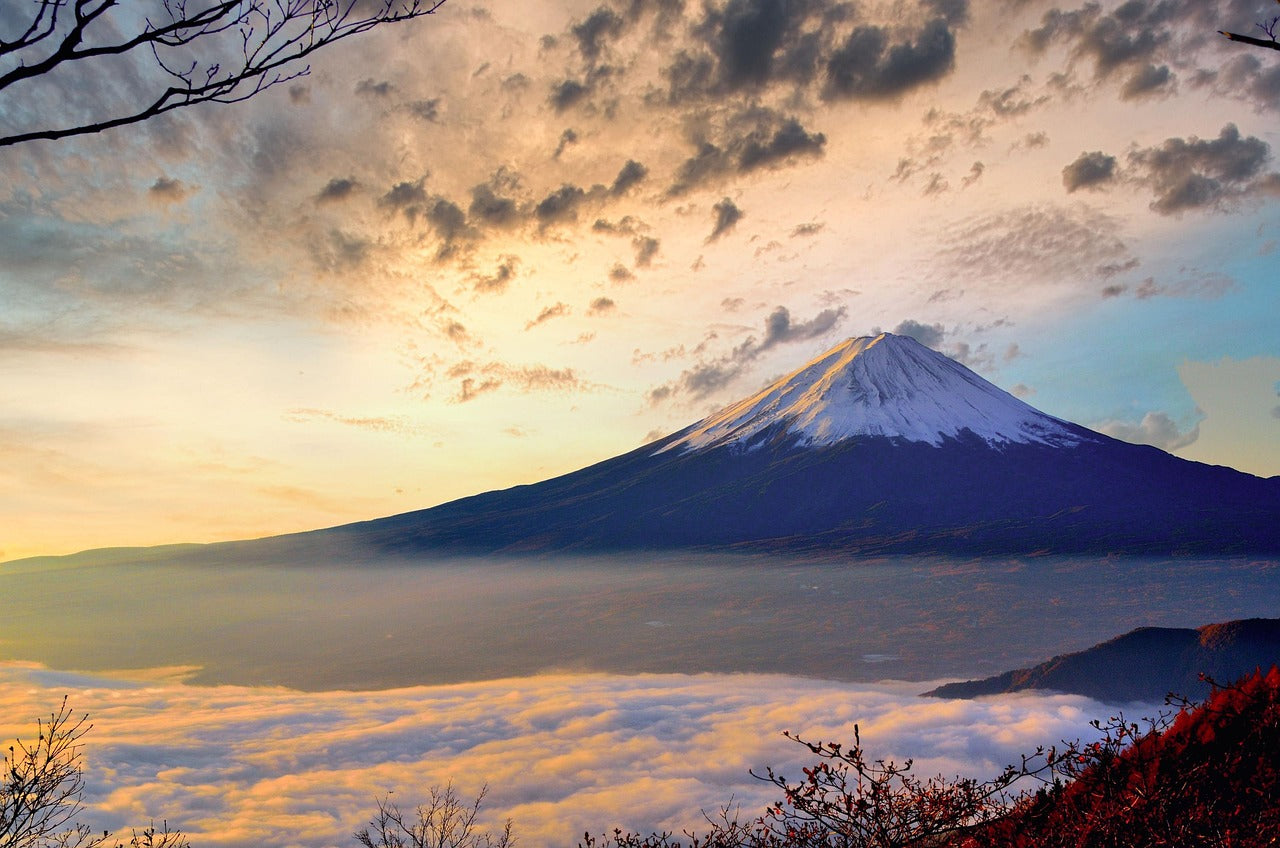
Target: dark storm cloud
427,110
749,45
1187,173
1109,40
780,329
690,76
712,374
447,220
1089,170
406,197
632,173
560,205
591,33
867,66
929,335
338,188
491,209
1144,41
1146,81
169,190
1194,173
788,140
749,33
752,138
375,88
566,93
646,248
625,226
1248,77
708,162
568,137
727,216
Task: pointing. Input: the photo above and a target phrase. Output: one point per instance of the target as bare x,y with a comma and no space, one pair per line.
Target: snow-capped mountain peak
887,385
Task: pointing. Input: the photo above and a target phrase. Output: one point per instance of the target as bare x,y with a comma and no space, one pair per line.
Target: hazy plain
374,624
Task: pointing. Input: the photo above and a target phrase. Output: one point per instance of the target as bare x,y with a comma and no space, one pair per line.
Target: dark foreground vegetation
1197,775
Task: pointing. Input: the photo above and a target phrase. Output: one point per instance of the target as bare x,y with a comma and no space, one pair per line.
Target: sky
563,755
507,241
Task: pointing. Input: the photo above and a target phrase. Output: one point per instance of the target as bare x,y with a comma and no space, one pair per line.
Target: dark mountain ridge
1144,664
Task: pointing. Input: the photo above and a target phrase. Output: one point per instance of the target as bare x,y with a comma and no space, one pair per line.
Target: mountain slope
879,446
1144,664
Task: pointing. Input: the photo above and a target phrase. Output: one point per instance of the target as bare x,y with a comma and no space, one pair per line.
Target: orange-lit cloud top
561,755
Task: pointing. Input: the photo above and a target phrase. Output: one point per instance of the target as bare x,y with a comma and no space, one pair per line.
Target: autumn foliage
1206,775
1212,777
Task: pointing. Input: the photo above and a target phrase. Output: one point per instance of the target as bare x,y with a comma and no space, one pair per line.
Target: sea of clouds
560,754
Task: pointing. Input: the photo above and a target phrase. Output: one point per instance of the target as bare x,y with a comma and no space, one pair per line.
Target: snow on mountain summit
886,385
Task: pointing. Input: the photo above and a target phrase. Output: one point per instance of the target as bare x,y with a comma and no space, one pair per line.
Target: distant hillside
1143,665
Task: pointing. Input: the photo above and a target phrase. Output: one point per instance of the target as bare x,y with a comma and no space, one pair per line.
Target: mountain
1144,664
880,445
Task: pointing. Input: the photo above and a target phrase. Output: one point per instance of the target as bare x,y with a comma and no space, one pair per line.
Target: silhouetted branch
211,52
1269,28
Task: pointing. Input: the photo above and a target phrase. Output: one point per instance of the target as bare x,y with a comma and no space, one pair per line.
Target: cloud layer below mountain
561,754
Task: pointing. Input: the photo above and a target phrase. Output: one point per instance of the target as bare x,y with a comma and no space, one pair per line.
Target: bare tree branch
1269,27
211,52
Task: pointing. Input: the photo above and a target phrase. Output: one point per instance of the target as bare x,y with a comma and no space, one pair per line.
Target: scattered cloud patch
711,374
500,278
473,379
166,190
1041,245
338,188
1194,173
929,335
1148,81
1155,428
632,174
646,248
397,424
375,88
1089,170
869,65
556,310
727,215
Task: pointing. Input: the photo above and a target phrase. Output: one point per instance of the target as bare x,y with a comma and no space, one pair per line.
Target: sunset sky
510,240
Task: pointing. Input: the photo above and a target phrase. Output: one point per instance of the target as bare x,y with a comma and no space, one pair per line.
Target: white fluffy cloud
562,754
